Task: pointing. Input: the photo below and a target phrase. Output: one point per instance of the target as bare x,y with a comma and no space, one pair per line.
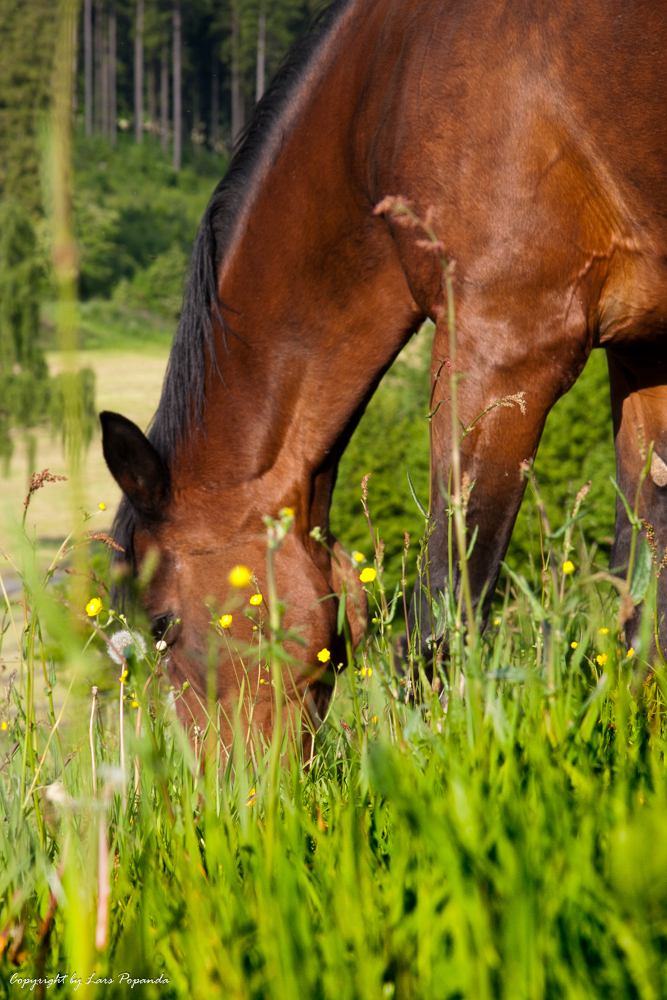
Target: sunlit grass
503,838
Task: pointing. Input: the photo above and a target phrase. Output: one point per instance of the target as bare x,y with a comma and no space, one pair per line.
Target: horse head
185,543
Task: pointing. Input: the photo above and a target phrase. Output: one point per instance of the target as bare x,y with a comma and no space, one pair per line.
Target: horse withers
536,135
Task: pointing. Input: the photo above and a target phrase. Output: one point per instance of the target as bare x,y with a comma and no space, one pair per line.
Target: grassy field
502,838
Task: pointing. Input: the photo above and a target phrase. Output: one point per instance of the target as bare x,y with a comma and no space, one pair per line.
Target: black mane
183,392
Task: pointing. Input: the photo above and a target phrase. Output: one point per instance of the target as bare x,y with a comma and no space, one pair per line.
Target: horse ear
134,464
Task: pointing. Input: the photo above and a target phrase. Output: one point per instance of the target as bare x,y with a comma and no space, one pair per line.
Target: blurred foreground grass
502,839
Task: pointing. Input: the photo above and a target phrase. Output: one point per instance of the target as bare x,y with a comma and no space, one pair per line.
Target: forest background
163,91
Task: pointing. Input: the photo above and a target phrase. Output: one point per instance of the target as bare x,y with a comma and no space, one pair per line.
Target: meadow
499,837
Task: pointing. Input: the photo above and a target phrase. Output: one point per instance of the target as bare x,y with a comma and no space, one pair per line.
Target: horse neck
314,292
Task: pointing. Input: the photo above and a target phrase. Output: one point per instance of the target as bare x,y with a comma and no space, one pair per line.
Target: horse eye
163,628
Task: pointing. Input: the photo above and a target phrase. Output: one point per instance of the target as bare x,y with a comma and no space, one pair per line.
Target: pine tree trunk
152,96
113,107
104,31
98,66
178,116
164,99
261,55
139,73
215,104
88,63
237,100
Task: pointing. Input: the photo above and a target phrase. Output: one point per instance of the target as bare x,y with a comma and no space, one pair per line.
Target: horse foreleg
639,406
504,393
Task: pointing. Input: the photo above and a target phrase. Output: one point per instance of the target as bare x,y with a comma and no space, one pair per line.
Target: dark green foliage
577,447
27,30
158,288
391,440
24,380
131,208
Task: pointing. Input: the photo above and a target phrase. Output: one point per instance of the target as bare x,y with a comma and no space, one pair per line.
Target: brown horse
538,133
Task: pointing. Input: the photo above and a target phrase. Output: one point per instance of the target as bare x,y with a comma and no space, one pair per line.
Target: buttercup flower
286,512
256,600
225,621
366,671
630,653
102,506
4,725
574,645
568,566
496,621
601,658
324,656
240,576
93,607
358,556
135,704
604,631
367,575
253,796
123,677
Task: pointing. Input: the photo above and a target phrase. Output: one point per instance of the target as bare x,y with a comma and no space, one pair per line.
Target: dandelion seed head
122,644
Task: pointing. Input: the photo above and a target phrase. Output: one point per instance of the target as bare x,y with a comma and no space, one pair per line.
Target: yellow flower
324,656
496,621
240,576
604,631
574,645
253,796
135,704
358,556
123,677
568,566
601,658
93,607
366,671
286,512
367,575
630,653
4,725
225,621
375,718
101,506
256,599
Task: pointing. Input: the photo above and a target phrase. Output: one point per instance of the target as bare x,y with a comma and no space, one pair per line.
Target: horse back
539,133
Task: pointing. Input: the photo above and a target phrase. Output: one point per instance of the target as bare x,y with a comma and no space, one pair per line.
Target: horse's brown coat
538,132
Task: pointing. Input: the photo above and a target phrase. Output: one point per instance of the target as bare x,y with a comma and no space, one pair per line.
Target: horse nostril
658,470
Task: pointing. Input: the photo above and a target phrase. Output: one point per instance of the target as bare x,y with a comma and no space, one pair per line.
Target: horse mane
183,393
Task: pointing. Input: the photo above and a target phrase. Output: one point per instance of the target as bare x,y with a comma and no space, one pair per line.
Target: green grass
504,838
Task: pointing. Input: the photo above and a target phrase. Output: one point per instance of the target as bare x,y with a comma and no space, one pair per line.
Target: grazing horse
536,132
